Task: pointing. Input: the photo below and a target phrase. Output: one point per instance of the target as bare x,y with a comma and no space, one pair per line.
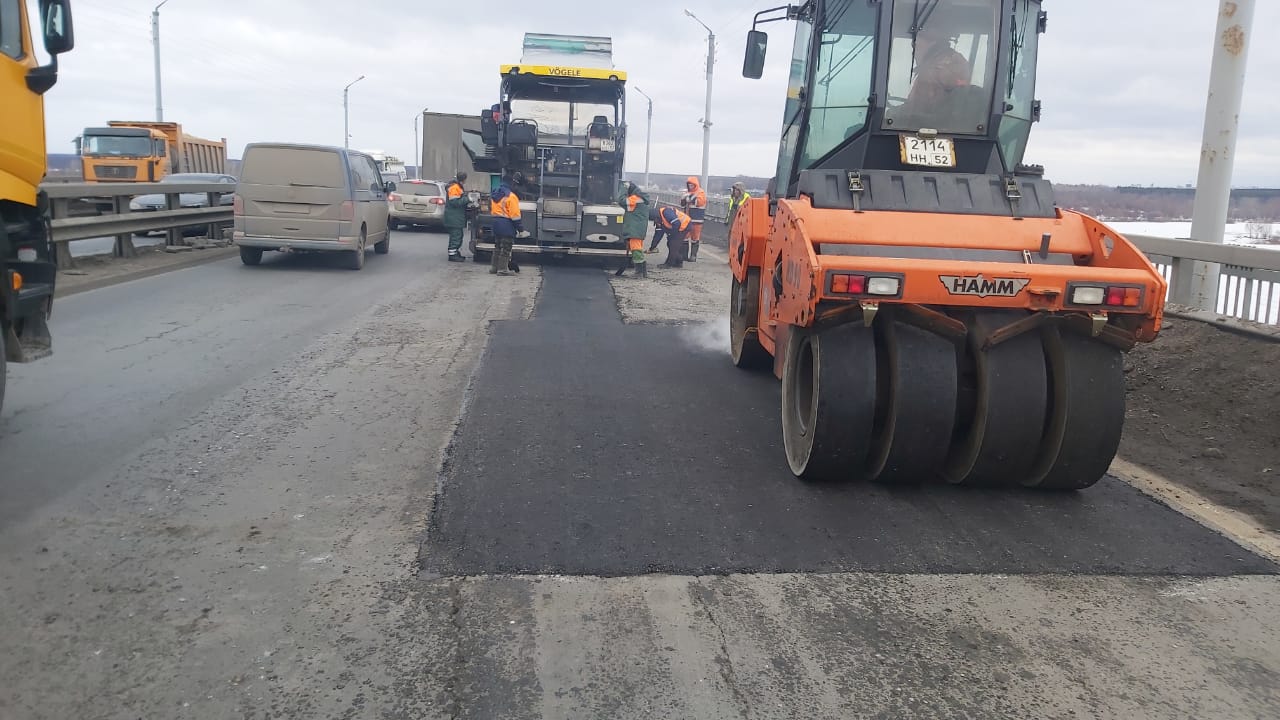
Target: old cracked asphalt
238,493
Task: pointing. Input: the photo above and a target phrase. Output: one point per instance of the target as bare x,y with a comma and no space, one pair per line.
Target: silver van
309,198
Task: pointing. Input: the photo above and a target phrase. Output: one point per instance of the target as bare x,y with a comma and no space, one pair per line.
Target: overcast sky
1123,82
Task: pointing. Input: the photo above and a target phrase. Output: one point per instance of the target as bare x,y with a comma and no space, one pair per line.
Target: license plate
412,206
607,146
927,151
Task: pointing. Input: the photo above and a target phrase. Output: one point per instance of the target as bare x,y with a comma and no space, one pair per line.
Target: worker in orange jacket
694,204
675,225
455,215
504,205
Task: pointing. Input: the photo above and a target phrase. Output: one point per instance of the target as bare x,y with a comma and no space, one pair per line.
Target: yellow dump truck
140,151
27,268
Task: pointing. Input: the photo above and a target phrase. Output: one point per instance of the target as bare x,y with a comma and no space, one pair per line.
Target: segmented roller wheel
917,403
828,402
744,313
1006,396
1086,412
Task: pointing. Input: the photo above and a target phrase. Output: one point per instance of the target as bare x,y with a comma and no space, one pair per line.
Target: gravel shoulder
1204,412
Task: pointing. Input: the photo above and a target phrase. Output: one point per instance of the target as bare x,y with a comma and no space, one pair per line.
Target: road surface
422,491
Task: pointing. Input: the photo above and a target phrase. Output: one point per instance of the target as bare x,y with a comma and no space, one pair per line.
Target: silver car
152,203
416,202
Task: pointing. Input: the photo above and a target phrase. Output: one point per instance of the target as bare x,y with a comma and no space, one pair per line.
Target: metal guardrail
1248,282
122,222
717,205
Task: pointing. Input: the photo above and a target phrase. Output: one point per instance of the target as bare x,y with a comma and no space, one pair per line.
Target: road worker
658,232
455,216
675,225
635,225
504,205
738,197
694,204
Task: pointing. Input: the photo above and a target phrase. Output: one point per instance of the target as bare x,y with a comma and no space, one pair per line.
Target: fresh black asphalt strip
590,447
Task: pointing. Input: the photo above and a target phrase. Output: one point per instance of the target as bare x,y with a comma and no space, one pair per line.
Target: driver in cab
941,70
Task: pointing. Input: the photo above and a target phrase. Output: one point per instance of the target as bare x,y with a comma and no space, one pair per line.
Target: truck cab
123,154
141,151
27,269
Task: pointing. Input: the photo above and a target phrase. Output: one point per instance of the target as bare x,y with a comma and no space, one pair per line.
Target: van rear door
293,193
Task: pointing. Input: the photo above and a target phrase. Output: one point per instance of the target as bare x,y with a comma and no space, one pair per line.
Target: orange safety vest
508,208
677,217
454,190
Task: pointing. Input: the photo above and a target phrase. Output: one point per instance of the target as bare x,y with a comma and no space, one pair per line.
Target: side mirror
55,19
753,63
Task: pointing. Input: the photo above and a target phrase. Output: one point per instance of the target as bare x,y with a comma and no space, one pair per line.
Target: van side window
363,174
11,28
376,179
359,173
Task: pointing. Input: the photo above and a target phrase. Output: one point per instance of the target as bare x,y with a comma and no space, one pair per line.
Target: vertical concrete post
648,135
155,42
1199,288
123,247
706,118
706,125
60,208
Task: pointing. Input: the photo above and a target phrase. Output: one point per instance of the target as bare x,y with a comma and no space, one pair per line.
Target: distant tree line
1149,203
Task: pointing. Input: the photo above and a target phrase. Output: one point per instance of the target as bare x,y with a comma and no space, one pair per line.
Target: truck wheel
829,402
744,311
355,259
250,255
383,247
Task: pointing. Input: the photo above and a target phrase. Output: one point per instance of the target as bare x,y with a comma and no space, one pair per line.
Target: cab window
942,65
11,28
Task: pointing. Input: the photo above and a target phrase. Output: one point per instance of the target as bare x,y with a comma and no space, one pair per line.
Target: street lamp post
346,123
155,43
706,118
648,135
417,153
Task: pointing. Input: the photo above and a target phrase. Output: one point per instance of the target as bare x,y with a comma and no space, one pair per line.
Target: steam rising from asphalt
710,336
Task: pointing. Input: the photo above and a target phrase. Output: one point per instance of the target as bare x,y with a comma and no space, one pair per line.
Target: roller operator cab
931,312
558,136
27,269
